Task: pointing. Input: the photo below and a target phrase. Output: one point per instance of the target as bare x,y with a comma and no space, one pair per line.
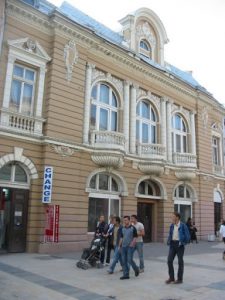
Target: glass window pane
114,186
104,93
27,99
94,92
20,174
5,172
93,116
181,191
137,130
185,212
141,188
114,207
150,190
114,101
145,133
29,75
138,108
187,193
145,110
184,144
103,119
18,71
97,207
176,208
153,134
103,182
178,143
93,182
113,121
153,117
183,126
15,95
177,122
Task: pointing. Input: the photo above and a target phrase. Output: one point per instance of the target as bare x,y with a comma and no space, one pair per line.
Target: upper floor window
104,108
179,134
145,48
215,150
13,173
103,182
146,123
22,90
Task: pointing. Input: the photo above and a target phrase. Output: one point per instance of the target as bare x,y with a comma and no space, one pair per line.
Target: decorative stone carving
185,175
30,45
108,160
151,169
63,150
70,57
144,30
205,117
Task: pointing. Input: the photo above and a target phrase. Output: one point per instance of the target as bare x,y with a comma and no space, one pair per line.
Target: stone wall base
51,248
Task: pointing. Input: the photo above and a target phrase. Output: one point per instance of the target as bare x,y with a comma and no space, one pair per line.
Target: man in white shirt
139,241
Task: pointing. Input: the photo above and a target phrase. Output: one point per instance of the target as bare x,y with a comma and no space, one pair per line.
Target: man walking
139,241
128,241
178,237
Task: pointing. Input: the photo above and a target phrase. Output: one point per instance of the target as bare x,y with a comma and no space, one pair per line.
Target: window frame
12,183
181,134
145,52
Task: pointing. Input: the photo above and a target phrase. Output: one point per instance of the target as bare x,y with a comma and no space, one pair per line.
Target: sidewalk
44,277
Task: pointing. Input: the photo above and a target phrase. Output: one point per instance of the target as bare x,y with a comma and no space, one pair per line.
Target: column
126,112
133,119
40,92
163,122
87,104
193,136
169,139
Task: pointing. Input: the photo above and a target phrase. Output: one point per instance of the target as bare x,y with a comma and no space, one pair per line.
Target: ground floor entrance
145,216
13,219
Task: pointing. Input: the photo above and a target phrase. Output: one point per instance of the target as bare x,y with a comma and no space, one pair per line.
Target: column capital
193,112
90,65
135,86
127,82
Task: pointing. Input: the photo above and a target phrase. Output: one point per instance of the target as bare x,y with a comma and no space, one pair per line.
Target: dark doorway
217,216
13,223
145,213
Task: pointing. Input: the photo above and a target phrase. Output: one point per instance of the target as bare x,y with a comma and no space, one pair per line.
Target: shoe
141,271
178,281
137,272
110,272
168,281
124,277
106,264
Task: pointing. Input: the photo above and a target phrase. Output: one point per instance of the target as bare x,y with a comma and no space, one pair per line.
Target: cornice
59,24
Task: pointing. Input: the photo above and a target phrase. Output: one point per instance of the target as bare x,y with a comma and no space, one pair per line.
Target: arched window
104,108
146,123
148,188
179,134
14,174
145,49
183,201
103,198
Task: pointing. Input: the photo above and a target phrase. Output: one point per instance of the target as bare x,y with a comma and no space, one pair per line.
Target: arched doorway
14,192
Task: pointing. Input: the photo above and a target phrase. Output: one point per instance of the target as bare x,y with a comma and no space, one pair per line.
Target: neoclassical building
96,122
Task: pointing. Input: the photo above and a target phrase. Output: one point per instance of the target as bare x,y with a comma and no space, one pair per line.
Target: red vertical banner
52,224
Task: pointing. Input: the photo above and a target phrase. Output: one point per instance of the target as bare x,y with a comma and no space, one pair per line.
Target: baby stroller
91,256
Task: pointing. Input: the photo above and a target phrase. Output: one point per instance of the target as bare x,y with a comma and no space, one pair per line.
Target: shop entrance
145,216
13,219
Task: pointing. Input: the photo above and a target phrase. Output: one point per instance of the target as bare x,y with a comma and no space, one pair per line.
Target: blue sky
195,28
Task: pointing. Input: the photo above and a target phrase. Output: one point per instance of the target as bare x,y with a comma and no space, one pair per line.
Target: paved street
44,277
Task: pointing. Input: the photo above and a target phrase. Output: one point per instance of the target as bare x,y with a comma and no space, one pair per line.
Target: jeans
110,247
174,250
127,258
117,257
139,248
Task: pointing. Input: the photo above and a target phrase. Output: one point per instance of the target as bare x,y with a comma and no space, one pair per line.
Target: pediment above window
30,47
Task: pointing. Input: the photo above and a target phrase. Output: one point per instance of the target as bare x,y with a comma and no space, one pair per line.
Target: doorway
145,216
217,216
13,219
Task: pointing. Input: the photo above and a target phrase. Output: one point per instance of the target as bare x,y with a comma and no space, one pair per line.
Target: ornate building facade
122,130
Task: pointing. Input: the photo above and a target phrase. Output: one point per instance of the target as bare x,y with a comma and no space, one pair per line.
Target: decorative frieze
62,150
185,175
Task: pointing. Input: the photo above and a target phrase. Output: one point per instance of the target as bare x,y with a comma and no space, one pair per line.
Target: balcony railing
21,123
184,159
107,139
219,170
151,151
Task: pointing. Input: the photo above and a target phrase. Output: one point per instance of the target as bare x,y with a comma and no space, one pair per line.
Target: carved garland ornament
145,30
70,57
63,150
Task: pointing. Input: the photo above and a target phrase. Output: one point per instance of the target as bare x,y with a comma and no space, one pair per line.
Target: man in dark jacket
178,237
101,231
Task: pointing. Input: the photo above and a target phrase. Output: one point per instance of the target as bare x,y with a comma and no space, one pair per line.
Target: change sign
47,185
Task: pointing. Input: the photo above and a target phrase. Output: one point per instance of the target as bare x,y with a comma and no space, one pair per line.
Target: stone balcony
107,140
185,159
20,123
219,170
155,152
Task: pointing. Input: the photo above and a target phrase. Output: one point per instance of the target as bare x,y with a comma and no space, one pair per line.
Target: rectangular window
97,207
153,134
22,90
145,133
113,121
93,116
103,125
178,143
215,150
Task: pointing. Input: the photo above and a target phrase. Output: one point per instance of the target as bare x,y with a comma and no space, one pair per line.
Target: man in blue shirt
128,241
178,237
